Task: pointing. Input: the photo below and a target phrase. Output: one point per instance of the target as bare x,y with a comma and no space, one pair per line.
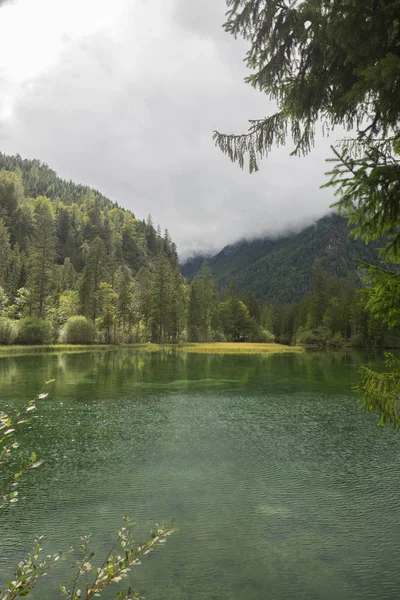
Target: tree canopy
334,63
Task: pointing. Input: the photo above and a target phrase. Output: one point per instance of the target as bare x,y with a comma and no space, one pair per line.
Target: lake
280,486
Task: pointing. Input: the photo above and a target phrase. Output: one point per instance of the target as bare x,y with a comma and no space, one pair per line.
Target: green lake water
280,486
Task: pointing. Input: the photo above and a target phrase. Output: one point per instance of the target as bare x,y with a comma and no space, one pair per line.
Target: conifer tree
161,300
42,253
126,304
106,301
11,194
319,296
68,275
143,298
5,251
95,271
337,63
22,223
235,318
177,307
203,305
15,275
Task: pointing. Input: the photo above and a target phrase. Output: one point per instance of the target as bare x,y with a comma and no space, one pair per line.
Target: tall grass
238,348
211,348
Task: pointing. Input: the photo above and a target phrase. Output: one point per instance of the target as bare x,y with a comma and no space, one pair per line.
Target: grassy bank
237,348
50,349
212,348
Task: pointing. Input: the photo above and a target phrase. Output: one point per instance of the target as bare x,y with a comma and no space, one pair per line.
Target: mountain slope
40,180
81,214
281,269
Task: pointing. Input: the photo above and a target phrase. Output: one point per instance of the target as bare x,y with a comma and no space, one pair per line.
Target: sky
124,96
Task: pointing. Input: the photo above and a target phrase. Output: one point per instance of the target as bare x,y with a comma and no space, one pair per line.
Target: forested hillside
66,250
281,269
76,268
80,215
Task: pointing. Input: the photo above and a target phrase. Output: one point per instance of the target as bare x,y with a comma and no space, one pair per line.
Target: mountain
280,269
80,213
77,268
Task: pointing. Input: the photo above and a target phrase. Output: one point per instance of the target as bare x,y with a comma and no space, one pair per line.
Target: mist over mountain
280,269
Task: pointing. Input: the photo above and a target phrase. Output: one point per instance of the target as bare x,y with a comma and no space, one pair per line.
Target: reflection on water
275,478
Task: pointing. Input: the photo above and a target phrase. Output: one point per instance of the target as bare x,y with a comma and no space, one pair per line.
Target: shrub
266,336
217,336
358,341
78,330
307,337
257,334
337,341
8,331
32,330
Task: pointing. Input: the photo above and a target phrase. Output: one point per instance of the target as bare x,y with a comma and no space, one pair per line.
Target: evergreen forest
76,268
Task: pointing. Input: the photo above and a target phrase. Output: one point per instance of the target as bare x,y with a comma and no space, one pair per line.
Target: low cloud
131,112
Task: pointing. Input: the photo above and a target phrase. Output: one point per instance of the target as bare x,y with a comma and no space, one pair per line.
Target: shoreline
193,348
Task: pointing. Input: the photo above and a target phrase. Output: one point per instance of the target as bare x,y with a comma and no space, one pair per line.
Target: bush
8,331
32,330
78,330
307,337
337,341
266,336
256,334
217,336
358,341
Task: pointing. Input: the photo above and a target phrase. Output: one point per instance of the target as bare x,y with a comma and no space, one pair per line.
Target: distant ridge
280,269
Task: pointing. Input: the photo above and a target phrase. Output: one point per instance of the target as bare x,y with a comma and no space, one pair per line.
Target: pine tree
95,271
330,62
126,306
68,276
161,300
11,194
319,296
177,307
42,254
235,318
23,223
106,301
15,273
203,305
5,251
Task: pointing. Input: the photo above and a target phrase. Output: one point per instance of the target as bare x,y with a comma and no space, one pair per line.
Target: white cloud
127,102
33,34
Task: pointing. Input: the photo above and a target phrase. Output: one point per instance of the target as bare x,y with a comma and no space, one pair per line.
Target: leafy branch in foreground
28,572
381,391
89,581
116,566
8,446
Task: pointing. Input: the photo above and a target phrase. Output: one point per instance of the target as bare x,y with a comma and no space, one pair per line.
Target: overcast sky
124,96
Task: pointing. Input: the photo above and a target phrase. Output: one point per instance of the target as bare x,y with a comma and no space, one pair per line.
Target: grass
219,348
238,348
50,349
209,348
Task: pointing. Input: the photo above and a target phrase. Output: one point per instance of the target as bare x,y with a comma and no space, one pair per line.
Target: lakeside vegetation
210,348
237,348
101,276
77,269
336,65
280,269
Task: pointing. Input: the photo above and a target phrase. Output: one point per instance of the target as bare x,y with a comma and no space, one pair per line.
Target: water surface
281,488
